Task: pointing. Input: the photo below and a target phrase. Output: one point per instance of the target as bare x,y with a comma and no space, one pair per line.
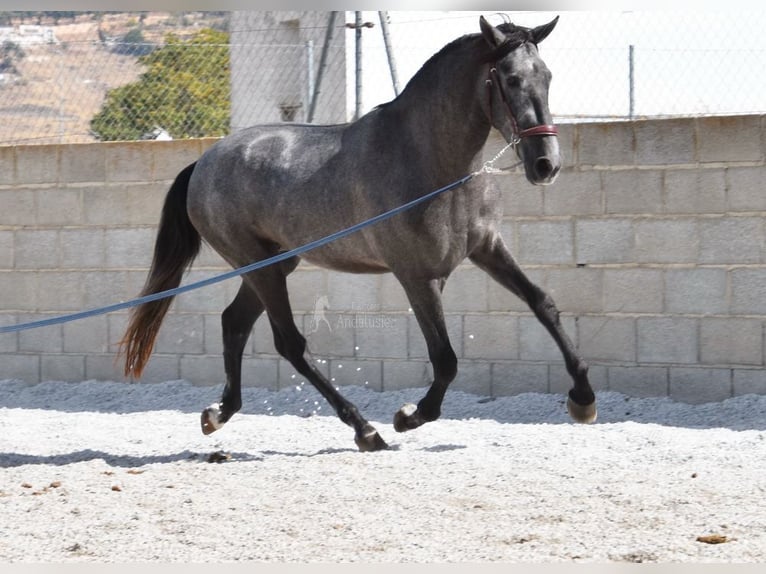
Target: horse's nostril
543,168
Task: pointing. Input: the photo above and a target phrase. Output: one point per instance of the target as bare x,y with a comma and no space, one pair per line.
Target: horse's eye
513,81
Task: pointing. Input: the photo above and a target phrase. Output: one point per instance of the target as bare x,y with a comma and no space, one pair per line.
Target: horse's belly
344,255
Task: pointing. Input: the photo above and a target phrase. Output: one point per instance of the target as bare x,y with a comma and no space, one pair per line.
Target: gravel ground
117,472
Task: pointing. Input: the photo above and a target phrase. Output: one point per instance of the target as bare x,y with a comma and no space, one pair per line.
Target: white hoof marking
214,411
408,409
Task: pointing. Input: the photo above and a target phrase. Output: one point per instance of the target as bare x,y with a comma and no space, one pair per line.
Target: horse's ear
541,32
492,35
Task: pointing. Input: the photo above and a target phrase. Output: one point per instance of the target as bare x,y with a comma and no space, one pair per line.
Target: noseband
518,135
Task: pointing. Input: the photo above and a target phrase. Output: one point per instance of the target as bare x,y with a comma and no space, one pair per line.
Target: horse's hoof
582,413
370,440
211,419
407,418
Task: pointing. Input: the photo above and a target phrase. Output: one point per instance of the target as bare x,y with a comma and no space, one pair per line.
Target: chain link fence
212,77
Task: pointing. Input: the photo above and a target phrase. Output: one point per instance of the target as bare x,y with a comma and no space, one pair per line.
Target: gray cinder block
181,334
575,193
605,144
748,291
261,373
670,141
610,338
491,336
38,163
667,340
745,186
637,290
473,377
7,249
696,290
82,163
466,290
514,378
406,374
666,240
82,248
48,339
359,373
633,191
604,240
379,335
70,368
728,240
638,381
59,207
695,191
21,367
747,381
696,385
37,249
731,341
546,241
728,138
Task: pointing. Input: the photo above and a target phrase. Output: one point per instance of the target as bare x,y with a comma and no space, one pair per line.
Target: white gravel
117,472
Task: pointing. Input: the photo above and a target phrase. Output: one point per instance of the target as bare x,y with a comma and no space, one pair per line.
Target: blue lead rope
237,272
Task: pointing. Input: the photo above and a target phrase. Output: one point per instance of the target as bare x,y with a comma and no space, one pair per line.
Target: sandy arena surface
117,472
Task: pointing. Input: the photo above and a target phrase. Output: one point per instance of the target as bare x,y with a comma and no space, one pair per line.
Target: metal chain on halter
489,166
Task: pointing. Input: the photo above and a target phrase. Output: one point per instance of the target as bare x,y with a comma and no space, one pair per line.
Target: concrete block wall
651,242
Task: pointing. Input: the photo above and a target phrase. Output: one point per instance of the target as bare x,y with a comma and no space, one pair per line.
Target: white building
276,68
28,35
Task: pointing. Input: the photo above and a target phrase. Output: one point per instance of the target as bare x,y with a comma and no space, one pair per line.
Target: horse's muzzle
545,170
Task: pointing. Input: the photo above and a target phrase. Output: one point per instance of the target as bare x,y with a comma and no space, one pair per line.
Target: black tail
177,244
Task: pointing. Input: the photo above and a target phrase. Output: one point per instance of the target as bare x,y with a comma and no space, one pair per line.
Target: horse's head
518,82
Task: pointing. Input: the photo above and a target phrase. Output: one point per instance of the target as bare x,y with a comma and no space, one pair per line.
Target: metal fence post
389,51
358,56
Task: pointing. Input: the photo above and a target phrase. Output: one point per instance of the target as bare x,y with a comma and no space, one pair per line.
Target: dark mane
453,46
427,68
515,32
515,36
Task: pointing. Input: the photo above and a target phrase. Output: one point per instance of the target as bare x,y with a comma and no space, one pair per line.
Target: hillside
50,92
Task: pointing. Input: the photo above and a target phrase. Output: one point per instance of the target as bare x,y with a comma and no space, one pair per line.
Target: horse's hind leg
425,298
271,286
495,258
237,322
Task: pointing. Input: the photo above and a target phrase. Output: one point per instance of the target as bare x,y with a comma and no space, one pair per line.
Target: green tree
185,90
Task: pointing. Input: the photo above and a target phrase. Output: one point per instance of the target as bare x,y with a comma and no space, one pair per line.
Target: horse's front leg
494,257
425,298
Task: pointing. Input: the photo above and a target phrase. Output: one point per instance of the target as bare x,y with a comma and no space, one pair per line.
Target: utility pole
357,27
322,65
358,44
631,81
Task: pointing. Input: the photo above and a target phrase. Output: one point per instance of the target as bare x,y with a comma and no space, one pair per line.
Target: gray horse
271,188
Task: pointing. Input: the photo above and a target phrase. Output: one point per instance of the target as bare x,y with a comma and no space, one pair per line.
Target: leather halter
518,135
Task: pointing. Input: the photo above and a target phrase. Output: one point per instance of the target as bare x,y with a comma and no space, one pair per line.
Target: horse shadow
13,460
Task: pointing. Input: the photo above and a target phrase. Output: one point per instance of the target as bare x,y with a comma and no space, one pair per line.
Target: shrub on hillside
185,90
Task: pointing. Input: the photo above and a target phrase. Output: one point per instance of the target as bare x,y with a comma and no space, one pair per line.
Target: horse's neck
444,106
